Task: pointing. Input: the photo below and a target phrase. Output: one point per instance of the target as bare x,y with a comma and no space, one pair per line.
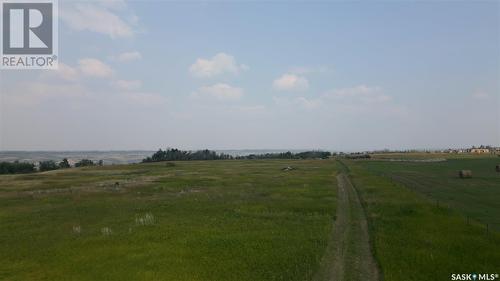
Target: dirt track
351,257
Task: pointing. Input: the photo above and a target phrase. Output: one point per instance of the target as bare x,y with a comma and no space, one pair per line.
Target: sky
342,76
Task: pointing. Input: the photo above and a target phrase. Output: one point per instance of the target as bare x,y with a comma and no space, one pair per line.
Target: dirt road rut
351,256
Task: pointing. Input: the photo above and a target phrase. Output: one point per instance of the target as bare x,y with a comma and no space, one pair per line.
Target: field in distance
476,198
425,222
251,220
212,220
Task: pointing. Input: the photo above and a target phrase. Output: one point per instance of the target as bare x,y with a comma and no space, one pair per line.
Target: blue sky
329,75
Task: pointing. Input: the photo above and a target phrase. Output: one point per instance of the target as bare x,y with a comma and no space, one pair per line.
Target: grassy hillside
477,198
432,155
215,220
414,239
246,220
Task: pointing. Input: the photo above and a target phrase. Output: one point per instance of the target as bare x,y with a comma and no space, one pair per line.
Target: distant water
109,157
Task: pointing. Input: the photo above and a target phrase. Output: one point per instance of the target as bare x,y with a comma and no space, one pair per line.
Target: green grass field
431,155
247,220
214,220
477,198
413,238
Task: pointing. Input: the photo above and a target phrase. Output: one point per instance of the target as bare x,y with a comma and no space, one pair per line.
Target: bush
358,156
16,167
47,166
84,163
180,155
313,154
174,154
64,164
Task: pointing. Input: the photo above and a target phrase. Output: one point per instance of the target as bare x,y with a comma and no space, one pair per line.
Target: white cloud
219,91
97,17
145,99
113,4
33,93
353,100
251,109
94,68
127,85
480,95
359,94
86,67
67,72
64,72
300,102
307,69
129,56
291,82
308,103
219,64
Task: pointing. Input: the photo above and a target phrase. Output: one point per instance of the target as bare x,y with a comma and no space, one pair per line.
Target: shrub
174,154
64,164
47,166
16,167
84,163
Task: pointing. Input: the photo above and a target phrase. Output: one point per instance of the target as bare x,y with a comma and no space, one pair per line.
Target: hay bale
465,174
498,168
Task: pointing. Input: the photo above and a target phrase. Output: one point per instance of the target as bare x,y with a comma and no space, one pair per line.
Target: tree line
313,154
173,154
17,167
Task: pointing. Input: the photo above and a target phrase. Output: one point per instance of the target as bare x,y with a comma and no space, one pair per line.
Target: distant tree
174,154
289,155
84,163
100,163
64,164
16,167
358,156
47,166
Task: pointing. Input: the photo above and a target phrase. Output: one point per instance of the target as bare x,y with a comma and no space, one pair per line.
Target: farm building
480,150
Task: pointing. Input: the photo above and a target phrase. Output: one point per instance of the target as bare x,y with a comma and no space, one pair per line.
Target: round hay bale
465,174
498,168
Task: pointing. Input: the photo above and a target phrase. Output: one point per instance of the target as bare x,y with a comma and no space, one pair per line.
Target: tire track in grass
352,256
